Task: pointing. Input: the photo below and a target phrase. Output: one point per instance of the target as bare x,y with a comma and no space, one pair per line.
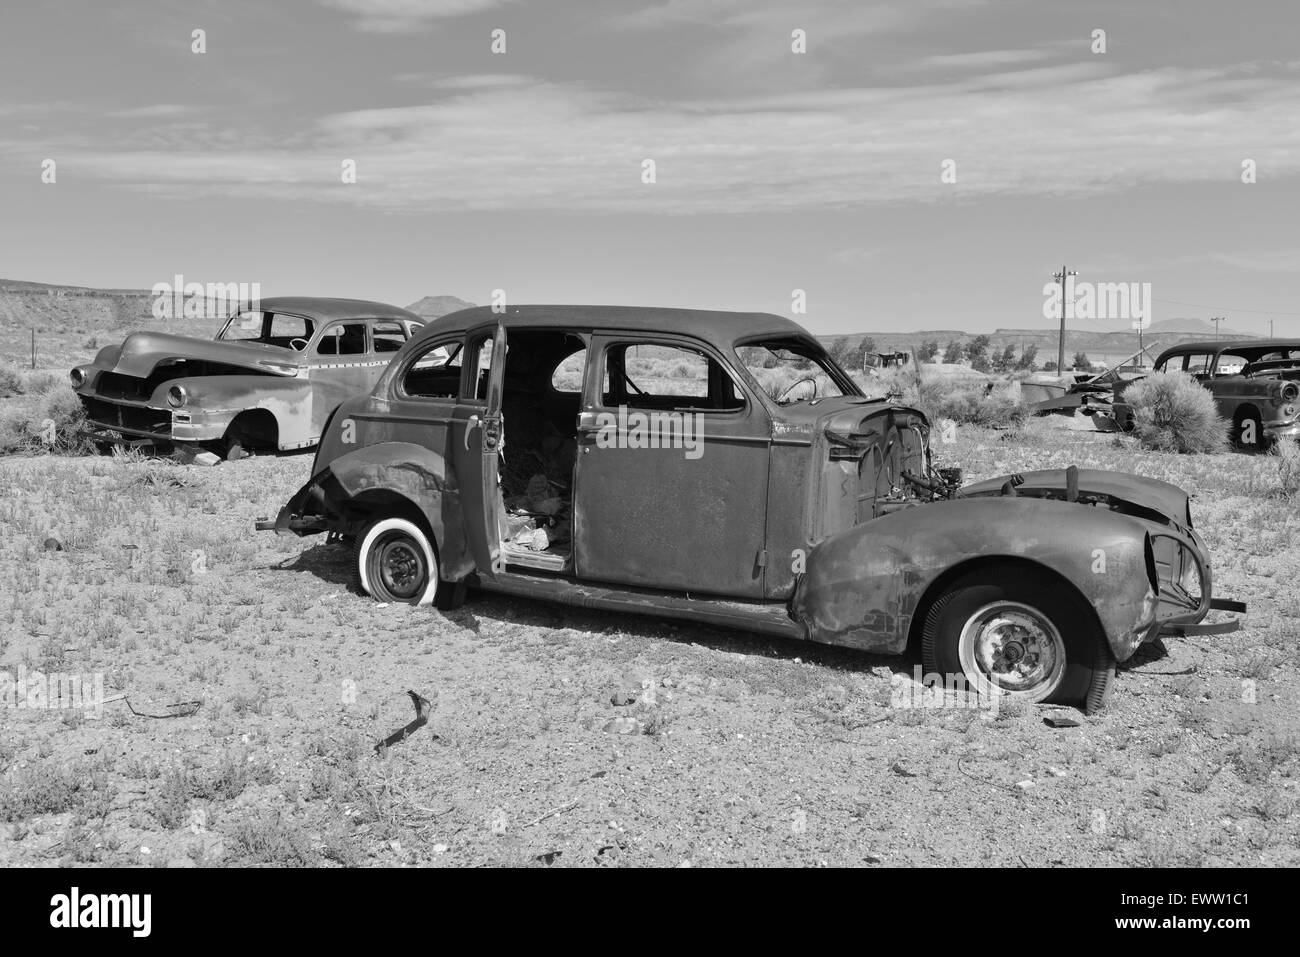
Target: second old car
721,468
1255,384
269,379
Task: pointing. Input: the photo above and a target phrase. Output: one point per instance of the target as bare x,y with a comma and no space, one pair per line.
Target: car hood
1120,487
140,352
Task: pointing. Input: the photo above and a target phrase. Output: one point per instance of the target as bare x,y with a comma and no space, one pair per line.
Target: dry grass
163,588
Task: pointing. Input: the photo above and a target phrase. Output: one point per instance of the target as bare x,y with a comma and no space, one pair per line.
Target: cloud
400,16
519,144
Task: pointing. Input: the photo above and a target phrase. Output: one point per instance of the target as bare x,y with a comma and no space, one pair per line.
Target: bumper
1282,429
161,424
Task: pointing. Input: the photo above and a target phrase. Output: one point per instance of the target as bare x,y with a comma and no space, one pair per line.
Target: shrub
1172,412
1287,455
944,397
11,383
26,426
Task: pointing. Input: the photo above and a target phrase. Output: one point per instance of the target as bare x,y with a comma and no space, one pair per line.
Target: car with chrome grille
1255,384
268,380
721,468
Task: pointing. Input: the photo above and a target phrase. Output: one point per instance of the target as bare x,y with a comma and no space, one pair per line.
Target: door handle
472,423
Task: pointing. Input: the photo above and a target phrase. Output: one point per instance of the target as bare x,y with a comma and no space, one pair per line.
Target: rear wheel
395,561
1024,636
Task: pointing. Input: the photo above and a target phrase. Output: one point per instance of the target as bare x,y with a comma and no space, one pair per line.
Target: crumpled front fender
862,587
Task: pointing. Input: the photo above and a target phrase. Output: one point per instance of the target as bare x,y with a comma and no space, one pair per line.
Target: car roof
713,325
1231,345
326,308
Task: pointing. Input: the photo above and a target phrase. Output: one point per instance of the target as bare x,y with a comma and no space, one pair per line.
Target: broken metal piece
421,719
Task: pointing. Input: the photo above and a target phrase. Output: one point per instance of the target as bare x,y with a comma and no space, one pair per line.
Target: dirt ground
743,750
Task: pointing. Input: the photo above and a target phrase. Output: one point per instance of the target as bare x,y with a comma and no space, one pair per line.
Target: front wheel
1023,636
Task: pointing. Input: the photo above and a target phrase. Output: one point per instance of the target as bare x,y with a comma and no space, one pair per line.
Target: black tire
1041,624
394,561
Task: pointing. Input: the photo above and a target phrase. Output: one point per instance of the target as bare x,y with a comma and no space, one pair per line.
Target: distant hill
431,307
1100,346
70,322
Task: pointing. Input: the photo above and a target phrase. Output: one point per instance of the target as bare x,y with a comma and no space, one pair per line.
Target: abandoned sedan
269,379
721,468
1255,384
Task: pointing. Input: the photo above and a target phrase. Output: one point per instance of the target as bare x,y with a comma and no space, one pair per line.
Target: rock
1062,719
207,458
621,699
52,544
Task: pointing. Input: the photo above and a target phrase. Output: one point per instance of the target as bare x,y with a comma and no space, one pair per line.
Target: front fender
863,586
414,473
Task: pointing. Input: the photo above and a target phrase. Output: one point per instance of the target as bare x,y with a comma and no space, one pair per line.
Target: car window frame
364,323
399,379
594,374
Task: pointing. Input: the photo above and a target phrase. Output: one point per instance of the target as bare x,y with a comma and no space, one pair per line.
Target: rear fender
863,587
412,473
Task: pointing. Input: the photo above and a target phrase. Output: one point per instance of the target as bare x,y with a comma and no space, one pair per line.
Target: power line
1198,305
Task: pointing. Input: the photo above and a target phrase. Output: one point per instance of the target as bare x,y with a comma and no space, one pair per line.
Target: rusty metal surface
126,385
828,507
864,585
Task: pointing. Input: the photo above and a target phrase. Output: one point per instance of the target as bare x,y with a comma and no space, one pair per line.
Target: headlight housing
77,377
1290,392
177,396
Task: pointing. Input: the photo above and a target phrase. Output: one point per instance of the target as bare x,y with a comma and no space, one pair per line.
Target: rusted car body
269,379
1255,384
810,511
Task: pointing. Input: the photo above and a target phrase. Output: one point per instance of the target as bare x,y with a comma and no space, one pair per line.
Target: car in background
268,380
1255,383
722,468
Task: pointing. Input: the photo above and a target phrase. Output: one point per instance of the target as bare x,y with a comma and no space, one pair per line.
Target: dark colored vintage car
269,379
721,468
1255,383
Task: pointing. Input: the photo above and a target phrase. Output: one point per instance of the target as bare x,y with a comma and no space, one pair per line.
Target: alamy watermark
57,691
932,690
1101,300
651,430
179,299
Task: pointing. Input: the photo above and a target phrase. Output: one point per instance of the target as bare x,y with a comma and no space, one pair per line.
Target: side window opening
343,339
435,373
649,375
389,335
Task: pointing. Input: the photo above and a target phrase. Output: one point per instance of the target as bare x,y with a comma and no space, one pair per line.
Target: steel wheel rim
400,564
1011,648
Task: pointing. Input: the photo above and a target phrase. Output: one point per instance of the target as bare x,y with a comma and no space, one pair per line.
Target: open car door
478,447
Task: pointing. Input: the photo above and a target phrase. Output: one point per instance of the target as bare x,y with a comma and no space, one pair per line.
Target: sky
516,160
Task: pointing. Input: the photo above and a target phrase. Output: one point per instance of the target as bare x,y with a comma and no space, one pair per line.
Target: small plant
1286,455
1173,413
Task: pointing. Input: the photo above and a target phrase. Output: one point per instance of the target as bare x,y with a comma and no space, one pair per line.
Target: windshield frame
816,352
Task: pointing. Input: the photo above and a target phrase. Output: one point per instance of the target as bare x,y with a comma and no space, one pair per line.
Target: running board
766,618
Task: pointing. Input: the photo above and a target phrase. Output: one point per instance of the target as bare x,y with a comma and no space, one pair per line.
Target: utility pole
1060,349
1216,320
1270,328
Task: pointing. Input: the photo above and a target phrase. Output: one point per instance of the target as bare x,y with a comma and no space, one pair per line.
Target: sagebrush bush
1286,453
1172,412
30,423
11,382
947,397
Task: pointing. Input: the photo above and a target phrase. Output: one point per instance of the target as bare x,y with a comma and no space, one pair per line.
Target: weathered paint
298,389
864,585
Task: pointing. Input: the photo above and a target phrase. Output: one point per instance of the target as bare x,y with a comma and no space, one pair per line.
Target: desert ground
248,685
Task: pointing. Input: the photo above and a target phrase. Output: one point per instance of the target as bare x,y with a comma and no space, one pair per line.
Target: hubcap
1012,648
401,567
